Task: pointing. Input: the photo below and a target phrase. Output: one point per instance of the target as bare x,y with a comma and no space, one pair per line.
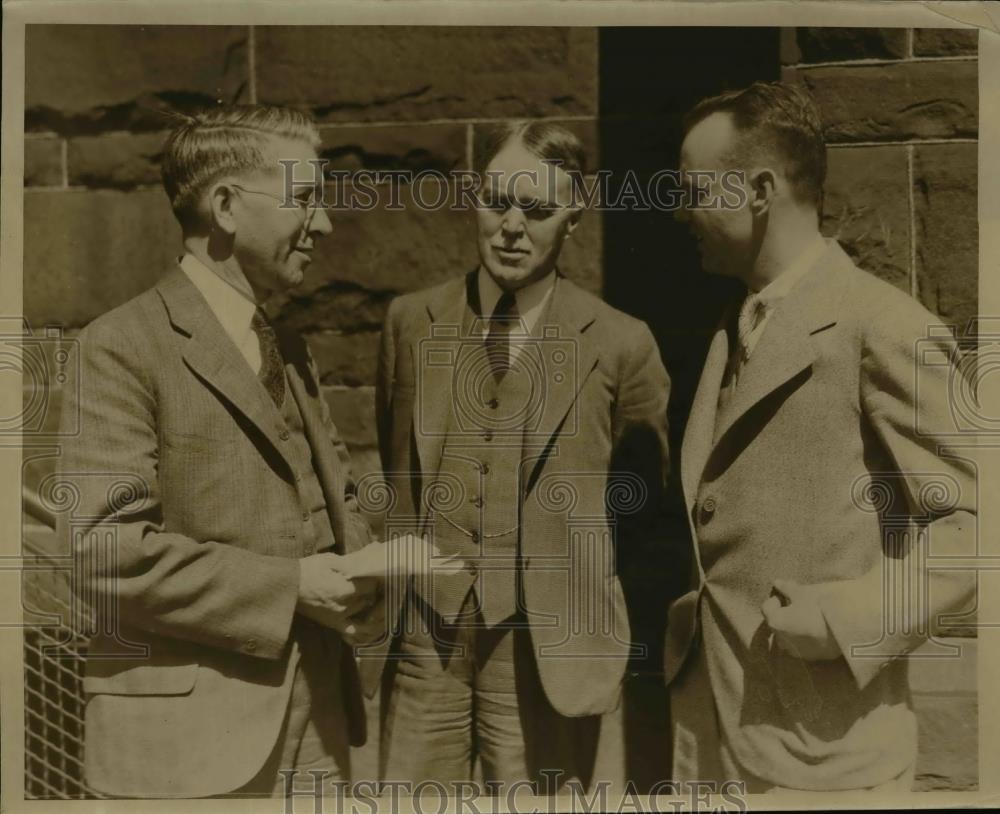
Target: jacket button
305,517
251,645
484,468
475,536
284,435
477,501
709,505
488,435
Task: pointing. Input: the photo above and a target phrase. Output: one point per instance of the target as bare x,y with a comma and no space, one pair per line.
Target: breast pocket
115,677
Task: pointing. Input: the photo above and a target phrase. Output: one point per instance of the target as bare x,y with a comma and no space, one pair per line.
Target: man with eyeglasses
522,428
226,655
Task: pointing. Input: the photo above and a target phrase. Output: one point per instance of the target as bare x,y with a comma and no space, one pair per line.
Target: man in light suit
815,481
213,497
522,428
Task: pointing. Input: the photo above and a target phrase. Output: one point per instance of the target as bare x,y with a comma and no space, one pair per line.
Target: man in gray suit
815,478
522,427
213,497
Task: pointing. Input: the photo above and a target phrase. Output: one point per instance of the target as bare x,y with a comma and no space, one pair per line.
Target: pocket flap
108,677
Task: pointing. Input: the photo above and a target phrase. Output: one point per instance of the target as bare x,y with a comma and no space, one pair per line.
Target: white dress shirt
233,310
779,288
531,302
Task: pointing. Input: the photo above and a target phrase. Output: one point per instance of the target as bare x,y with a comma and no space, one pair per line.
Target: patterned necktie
751,313
498,338
272,372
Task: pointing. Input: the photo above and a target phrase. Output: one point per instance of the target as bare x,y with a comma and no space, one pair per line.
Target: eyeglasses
308,205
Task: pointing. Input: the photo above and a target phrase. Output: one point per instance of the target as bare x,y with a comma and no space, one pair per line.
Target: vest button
477,501
475,536
484,468
493,403
709,506
488,435
305,517
251,645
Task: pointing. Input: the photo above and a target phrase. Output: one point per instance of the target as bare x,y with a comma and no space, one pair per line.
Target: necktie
272,373
751,313
498,337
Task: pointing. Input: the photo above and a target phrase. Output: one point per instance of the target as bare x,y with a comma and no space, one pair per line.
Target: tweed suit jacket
830,457
596,457
182,463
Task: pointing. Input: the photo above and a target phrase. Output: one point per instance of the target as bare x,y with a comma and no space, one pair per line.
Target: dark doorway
649,77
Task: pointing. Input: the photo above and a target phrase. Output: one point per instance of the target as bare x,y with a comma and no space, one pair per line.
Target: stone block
346,359
115,160
947,229
908,100
414,73
86,252
43,159
866,208
835,44
945,42
89,78
413,147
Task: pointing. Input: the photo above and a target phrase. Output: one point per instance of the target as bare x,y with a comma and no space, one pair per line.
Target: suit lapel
324,460
432,407
562,328
700,430
213,357
786,348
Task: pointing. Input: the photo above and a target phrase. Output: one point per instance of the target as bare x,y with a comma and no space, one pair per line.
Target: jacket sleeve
907,377
640,457
202,591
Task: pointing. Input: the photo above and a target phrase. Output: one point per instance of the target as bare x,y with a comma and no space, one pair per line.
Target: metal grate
53,687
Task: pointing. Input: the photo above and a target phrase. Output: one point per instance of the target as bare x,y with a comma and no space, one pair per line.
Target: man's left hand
797,622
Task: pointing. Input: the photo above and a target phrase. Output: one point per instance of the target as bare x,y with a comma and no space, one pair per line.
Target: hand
797,622
329,597
401,556
368,626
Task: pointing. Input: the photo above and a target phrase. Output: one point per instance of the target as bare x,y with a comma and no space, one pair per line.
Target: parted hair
775,120
548,141
213,143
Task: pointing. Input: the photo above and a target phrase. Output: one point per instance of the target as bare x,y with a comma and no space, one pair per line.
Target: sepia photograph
567,407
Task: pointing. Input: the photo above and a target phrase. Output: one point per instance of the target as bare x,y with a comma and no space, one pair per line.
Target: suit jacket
186,525
821,468
596,456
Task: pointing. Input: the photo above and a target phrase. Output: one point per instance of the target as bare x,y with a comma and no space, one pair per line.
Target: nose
320,224
513,222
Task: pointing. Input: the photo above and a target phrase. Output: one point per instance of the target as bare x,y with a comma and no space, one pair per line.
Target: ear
221,201
761,186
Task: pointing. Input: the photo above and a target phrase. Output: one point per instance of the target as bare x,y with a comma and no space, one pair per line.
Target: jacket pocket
105,677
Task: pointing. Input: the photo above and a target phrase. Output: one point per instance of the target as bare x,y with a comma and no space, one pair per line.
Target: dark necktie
272,373
498,337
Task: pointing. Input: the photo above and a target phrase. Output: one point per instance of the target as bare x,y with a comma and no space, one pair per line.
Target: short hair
221,140
779,120
546,140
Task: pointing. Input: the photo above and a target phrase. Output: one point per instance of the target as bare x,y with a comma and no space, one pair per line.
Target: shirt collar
233,310
531,299
779,288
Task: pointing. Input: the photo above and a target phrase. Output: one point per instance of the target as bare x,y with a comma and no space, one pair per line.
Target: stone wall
900,108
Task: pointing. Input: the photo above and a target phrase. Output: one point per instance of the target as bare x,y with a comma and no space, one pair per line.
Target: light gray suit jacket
832,448
186,525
